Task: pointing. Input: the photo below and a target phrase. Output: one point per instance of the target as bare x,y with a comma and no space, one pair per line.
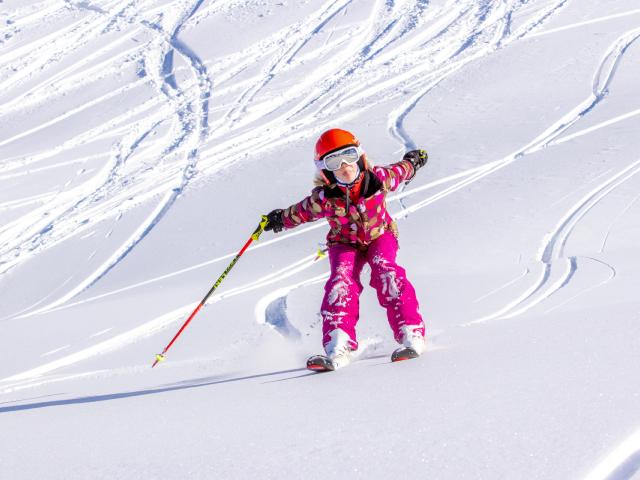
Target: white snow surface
141,140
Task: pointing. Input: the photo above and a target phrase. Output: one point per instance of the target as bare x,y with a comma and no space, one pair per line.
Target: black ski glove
418,158
276,221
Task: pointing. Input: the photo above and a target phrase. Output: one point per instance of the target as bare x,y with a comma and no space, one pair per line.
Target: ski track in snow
367,49
271,309
557,270
622,213
622,463
101,332
368,43
154,326
56,350
192,116
457,37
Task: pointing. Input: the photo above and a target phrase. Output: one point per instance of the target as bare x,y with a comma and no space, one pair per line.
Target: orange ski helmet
331,141
334,139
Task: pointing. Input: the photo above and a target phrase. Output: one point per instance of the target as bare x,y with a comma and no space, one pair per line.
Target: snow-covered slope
140,141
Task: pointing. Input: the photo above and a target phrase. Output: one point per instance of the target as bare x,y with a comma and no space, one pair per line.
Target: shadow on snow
196,383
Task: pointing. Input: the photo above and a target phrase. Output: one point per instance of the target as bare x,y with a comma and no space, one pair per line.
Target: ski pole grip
263,223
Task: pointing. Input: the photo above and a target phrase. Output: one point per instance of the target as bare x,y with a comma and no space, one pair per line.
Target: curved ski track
461,33
191,113
622,463
557,270
446,45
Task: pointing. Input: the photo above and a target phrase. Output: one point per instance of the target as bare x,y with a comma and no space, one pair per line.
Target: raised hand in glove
417,157
275,220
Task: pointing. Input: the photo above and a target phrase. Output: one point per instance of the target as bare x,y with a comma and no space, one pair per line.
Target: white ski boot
339,349
413,343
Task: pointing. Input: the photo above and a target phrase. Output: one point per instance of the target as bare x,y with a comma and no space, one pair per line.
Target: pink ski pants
340,306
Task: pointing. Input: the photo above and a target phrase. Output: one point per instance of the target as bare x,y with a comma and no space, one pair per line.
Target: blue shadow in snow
196,383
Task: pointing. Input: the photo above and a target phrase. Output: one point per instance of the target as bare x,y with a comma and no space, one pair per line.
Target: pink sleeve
393,175
308,210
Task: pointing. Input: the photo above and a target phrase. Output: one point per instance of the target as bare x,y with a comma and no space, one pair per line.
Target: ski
404,353
320,363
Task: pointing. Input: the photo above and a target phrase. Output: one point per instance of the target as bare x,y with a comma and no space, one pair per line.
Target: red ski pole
254,236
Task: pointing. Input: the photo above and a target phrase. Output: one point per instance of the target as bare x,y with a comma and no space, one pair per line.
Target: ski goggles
334,160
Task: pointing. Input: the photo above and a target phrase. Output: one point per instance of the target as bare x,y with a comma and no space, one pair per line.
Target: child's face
347,173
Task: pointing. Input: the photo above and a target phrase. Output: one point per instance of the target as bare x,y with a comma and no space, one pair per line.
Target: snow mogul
350,193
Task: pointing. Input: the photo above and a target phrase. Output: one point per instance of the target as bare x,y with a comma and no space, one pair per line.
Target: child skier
351,194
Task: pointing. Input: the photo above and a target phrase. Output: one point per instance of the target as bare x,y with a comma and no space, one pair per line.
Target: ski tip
320,363
401,359
319,368
402,354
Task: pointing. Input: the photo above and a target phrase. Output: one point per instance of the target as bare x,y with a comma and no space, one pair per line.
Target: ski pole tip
159,358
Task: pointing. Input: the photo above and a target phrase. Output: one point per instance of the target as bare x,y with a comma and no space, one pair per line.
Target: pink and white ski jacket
356,223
